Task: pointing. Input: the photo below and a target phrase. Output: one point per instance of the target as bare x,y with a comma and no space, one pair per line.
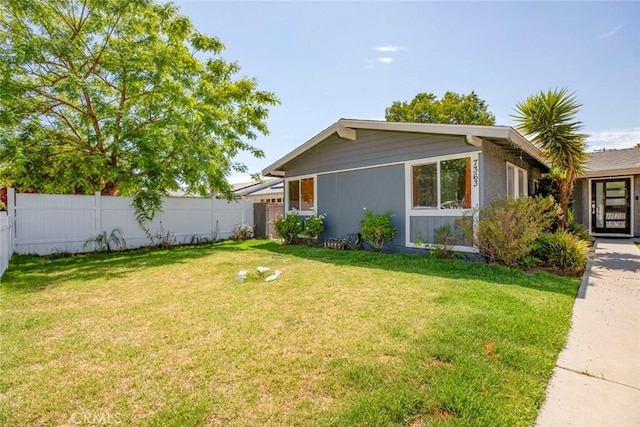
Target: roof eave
611,172
257,187
527,147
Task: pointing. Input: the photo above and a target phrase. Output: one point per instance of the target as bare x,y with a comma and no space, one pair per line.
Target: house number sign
475,173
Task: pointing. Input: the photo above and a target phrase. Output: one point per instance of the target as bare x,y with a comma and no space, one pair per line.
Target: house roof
613,162
268,186
507,137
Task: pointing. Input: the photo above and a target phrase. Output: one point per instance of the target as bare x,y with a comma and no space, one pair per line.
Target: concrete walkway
596,381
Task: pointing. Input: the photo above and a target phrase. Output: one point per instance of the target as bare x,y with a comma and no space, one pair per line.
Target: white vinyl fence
6,241
46,223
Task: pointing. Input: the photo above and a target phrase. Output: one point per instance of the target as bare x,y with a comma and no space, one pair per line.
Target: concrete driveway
596,381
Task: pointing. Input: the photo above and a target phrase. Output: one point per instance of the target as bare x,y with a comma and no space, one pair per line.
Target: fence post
11,211
214,235
97,206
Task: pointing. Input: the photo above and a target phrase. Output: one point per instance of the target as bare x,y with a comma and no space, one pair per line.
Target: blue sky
327,60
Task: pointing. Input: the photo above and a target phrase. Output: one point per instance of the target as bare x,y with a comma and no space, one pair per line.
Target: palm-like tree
548,119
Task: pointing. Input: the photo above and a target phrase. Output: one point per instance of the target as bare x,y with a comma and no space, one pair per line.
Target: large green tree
453,108
549,120
118,96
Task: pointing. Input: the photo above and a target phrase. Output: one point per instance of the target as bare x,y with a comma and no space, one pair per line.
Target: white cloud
611,32
385,60
389,48
613,138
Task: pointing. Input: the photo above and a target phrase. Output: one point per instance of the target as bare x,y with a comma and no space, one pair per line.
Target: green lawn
341,338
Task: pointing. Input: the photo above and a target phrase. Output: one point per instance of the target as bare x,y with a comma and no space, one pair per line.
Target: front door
611,206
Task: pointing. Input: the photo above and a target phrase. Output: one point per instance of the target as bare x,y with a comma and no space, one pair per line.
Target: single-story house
427,175
606,199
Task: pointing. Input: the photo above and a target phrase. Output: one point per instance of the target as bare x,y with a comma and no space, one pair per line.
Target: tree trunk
565,187
110,188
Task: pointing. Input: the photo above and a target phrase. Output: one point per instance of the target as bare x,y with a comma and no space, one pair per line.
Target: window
445,184
425,186
517,185
301,194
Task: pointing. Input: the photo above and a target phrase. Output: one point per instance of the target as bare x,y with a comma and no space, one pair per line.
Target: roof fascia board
257,187
611,172
271,170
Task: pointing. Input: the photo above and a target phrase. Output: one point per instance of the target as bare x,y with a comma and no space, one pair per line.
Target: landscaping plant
288,227
563,251
242,232
312,227
507,228
377,229
104,242
549,119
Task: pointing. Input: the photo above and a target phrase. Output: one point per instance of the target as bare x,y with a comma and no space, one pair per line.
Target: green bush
377,229
563,251
288,227
312,227
507,228
580,231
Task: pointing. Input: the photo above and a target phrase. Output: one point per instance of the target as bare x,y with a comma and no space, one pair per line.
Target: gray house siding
373,148
581,202
343,196
493,172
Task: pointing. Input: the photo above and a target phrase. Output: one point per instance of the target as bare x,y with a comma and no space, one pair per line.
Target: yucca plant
548,119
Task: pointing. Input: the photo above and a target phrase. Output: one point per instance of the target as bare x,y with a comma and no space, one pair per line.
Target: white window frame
516,181
439,211
315,194
475,195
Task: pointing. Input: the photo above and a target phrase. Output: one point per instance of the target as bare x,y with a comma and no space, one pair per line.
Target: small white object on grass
243,273
240,278
273,276
263,270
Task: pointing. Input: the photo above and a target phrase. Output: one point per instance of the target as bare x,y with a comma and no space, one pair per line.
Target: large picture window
445,184
300,193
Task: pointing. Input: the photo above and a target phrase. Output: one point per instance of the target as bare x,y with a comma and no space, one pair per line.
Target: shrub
377,229
563,251
581,232
444,241
312,227
242,232
288,227
507,228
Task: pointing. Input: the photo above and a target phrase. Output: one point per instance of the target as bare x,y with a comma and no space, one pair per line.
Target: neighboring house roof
505,136
268,186
613,162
